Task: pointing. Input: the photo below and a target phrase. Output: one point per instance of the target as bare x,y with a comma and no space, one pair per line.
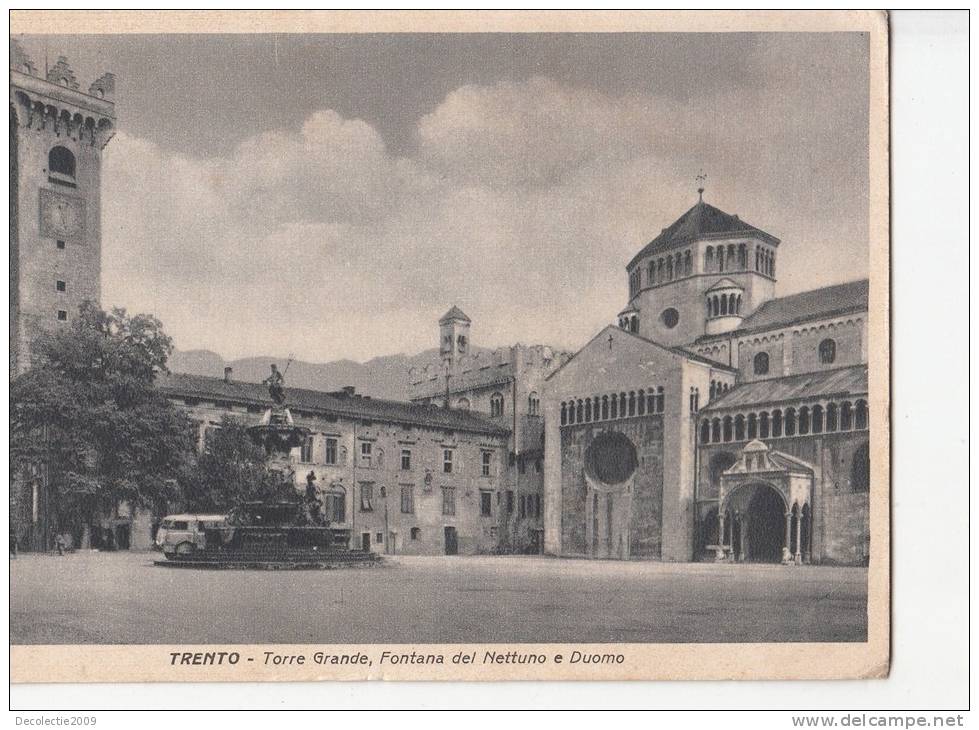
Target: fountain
286,531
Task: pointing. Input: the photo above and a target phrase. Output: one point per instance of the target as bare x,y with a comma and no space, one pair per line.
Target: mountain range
381,377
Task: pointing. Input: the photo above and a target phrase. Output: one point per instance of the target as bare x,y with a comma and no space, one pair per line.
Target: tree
88,415
233,469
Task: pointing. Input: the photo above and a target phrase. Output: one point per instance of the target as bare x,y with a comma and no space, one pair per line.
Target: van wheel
185,548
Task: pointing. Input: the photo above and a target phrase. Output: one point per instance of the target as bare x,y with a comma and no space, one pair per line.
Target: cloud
520,201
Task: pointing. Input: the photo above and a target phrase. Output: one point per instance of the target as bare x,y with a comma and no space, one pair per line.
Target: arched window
757,260
776,424
652,272
713,390
564,414
831,418
790,422
571,412
416,533
737,308
817,419
580,412
720,258
731,303
860,469
61,163
669,268
615,406
773,265
761,363
763,431
533,404
742,256
660,399
739,428
723,305
732,253
496,404
641,403
709,259
846,416
728,430
860,414
687,264
715,430
717,306
604,407
827,351
651,401
803,421
632,403
463,404
587,410
705,431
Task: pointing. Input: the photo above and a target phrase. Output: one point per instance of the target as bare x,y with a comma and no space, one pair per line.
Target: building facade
57,134
505,385
400,478
716,421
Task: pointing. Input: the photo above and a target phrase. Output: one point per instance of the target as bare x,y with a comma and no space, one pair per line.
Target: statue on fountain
276,383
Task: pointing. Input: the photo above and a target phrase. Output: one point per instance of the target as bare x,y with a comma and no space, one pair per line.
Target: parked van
185,534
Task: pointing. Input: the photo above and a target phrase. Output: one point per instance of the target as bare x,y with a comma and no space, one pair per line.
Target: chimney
227,374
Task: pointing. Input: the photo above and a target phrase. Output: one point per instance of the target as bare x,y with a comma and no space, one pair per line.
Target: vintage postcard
448,345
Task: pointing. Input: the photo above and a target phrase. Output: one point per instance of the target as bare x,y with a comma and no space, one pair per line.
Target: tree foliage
232,470
87,410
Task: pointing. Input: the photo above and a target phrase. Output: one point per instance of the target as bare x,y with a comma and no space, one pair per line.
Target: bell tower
57,134
454,334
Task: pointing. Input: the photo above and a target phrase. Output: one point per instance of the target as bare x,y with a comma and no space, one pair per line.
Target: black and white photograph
450,354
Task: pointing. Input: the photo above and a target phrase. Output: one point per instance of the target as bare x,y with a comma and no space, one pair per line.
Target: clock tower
57,134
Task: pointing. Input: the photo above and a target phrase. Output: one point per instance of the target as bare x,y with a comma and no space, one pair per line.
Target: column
744,538
798,537
788,535
720,534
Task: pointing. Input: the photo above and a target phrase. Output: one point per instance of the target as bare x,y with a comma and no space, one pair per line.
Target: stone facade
621,386
57,134
507,385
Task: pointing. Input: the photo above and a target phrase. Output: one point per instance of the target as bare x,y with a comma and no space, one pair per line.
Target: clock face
62,216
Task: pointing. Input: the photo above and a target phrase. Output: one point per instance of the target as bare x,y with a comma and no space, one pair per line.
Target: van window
181,525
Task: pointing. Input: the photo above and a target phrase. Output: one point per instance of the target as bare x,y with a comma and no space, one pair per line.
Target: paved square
117,598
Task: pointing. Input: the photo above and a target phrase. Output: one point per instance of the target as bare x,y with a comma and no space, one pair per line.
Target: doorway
766,526
451,541
365,542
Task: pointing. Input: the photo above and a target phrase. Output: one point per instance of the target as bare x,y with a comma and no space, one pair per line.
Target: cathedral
715,421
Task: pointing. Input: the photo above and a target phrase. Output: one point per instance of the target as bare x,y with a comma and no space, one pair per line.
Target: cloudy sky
332,196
